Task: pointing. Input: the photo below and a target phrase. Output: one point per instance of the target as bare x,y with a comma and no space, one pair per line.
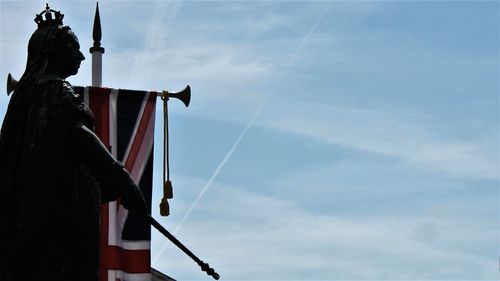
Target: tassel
167,186
168,190
167,194
164,207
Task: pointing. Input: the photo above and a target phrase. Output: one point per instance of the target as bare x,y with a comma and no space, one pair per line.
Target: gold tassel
167,194
164,207
167,186
167,190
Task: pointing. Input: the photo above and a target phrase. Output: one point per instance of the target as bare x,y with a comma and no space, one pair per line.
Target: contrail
245,130
154,45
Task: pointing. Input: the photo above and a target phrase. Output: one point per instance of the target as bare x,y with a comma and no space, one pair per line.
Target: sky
325,140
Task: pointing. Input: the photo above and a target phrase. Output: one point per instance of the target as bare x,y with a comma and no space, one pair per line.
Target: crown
49,16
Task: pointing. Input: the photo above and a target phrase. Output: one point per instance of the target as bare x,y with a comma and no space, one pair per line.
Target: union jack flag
125,123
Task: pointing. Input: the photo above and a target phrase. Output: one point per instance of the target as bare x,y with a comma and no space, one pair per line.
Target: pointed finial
96,32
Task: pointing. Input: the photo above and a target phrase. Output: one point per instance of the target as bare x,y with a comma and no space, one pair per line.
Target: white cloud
389,135
249,236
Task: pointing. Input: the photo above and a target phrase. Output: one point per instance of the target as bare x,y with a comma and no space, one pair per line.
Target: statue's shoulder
50,79
62,89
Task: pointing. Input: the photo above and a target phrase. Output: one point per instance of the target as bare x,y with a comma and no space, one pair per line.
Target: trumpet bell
184,95
11,84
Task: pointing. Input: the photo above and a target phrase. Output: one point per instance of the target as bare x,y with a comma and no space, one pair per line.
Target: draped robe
49,194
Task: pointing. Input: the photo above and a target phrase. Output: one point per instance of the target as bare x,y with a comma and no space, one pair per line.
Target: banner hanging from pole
125,123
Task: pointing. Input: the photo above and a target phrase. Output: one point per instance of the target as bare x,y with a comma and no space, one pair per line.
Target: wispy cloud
391,135
249,236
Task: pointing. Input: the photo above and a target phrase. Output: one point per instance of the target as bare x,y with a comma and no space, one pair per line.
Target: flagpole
96,50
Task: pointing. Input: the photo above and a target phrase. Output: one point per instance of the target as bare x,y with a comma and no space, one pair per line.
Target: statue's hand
132,198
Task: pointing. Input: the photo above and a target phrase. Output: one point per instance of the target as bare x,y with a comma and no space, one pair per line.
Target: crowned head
53,46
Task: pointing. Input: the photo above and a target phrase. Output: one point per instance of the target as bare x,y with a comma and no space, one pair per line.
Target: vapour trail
245,130
250,124
161,21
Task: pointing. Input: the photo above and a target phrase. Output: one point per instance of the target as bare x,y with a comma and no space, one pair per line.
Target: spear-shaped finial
96,32
96,50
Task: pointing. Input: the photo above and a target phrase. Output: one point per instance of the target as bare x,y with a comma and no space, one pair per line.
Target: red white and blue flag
125,123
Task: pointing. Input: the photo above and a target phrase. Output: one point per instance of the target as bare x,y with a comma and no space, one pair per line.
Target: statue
54,171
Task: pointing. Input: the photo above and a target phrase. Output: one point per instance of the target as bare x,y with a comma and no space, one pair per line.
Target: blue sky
325,140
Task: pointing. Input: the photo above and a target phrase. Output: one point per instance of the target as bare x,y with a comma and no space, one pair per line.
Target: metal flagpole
96,50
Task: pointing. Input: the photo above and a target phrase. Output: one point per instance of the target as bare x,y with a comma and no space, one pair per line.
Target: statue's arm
93,152
67,114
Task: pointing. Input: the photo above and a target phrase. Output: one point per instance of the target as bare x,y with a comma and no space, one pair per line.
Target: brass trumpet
184,95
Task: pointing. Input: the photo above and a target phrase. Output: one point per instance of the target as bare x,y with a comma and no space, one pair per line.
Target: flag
124,121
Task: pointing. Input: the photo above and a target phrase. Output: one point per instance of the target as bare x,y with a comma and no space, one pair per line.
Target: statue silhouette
54,171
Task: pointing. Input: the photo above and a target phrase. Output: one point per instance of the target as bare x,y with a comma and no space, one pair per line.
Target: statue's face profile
68,57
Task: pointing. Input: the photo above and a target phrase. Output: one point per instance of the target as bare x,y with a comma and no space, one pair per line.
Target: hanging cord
167,185
166,158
